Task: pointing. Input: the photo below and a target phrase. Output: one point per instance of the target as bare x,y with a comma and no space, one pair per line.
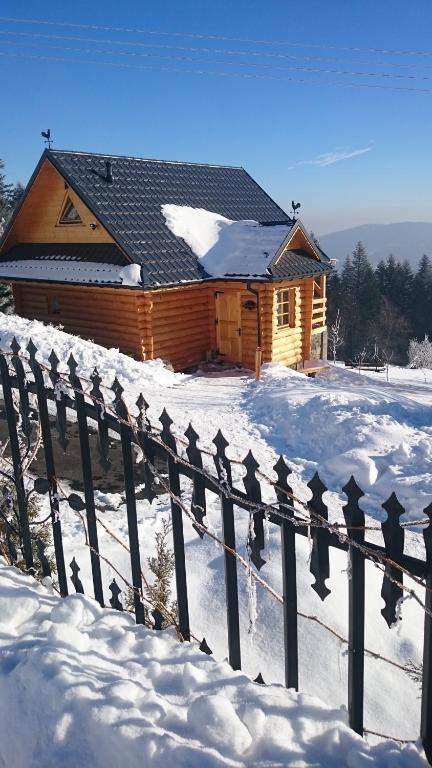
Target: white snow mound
113,693
225,247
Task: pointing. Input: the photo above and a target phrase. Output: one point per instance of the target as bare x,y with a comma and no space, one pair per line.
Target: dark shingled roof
129,206
298,263
102,253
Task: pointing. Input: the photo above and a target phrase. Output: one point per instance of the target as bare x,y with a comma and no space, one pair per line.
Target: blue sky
349,155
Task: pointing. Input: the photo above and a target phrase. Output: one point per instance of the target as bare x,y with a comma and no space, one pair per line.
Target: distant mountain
405,240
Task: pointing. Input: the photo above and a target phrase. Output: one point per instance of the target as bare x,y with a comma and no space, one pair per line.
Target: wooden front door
228,325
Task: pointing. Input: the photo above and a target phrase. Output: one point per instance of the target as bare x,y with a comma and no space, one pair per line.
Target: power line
201,49
205,72
222,62
200,36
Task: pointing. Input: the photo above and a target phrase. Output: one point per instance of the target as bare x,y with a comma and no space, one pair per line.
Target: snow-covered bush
420,354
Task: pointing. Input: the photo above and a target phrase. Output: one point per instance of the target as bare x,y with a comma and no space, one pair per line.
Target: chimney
108,176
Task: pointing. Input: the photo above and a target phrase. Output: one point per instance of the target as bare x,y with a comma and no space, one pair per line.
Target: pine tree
9,197
360,300
422,292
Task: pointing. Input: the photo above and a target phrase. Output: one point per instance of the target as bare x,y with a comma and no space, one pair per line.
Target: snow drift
226,247
82,685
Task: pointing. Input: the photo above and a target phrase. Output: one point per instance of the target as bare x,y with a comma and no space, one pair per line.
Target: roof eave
17,209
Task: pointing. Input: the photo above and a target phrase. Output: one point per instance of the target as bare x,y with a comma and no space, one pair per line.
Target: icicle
309,543
252,604
212,530
267,533
223,476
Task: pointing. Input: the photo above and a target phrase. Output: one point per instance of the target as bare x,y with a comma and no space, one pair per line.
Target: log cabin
180,261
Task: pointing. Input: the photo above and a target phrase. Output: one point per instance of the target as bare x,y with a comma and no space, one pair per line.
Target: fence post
394,537
177,524
16,463
253,490
129,482
98,402
198,507
87,479
50,473
223,468
144,429
289,574
59,400
319,565
354,517
426,708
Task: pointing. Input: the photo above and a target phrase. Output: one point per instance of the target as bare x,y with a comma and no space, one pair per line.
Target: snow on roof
226,247
71,271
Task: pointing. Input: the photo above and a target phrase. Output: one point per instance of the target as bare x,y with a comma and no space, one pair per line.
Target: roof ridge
142,159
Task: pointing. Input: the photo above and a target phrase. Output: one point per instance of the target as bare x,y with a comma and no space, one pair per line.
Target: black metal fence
31,394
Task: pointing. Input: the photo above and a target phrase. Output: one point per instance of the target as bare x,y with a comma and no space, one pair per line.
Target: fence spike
53,361
73,565
96,382
117,389
205,648
32,349
166,421
253,490
198,506
282,471
355,520
221,443
15,347
115,592
319,563
394,536
72,365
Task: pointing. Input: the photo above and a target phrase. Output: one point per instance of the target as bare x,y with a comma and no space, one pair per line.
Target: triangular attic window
69,214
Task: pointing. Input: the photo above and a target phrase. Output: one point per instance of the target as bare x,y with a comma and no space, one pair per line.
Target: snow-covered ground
84,686
339,423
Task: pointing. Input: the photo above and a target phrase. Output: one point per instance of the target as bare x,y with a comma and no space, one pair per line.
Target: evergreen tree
422,303
360,300
9,197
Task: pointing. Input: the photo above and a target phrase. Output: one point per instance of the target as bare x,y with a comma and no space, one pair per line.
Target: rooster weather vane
47,136
295,207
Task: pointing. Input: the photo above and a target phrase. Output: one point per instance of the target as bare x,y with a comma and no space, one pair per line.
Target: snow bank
226,247
347,423
87,272
84,686
133,375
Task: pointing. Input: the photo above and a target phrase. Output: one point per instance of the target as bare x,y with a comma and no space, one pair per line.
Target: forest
377,311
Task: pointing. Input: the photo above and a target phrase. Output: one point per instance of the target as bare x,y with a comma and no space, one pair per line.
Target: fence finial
394,536
319,564
15,347
32,349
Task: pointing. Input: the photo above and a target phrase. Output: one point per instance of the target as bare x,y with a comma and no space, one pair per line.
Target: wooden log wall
178,323
291,345
113,317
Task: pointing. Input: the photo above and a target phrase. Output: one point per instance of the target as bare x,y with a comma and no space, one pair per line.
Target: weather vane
47,137
295,207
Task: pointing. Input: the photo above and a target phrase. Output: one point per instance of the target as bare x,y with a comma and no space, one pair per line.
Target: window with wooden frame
69,214
286,308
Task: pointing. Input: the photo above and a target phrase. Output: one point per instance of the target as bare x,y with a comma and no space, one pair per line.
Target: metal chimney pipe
109,176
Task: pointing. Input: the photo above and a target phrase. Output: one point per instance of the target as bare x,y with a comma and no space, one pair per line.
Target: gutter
258,351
